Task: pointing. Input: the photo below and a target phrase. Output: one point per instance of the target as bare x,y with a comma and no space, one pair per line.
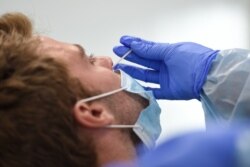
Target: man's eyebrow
81,49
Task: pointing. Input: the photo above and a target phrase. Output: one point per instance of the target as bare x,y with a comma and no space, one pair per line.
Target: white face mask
147,127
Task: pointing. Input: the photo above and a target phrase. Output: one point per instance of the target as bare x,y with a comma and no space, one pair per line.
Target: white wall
97,25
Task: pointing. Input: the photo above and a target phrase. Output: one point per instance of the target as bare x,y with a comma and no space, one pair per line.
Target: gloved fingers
127,40
160,94
149,50
145,75
144,48
121,50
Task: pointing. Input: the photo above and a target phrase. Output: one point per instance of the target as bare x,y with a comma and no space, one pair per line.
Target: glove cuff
204,67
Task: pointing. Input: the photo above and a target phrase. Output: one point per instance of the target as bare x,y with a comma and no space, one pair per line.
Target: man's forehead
45,38
48,44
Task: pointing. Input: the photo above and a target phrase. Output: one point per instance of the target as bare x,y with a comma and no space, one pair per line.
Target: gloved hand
179,68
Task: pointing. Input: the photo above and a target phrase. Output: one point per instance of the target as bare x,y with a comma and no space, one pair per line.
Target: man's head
41,80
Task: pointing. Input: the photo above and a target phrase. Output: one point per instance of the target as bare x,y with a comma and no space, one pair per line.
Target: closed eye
81,50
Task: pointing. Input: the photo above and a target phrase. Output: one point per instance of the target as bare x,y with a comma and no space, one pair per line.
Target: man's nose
104,61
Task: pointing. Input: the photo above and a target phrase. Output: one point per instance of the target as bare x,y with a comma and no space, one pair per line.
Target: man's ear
93,115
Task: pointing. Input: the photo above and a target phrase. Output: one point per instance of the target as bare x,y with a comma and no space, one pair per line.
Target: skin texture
95,74
42,122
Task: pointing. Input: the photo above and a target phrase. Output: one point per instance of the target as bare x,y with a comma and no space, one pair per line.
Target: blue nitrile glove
179,68
217,147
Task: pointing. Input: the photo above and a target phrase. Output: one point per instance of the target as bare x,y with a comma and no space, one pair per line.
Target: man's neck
114,148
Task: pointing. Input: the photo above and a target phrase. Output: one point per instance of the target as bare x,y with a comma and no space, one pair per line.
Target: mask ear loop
108,93
124,126
101,95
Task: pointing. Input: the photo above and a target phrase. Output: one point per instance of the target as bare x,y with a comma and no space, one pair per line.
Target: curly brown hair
37,96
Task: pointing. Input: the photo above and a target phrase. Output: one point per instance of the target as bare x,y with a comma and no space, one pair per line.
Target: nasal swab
123,57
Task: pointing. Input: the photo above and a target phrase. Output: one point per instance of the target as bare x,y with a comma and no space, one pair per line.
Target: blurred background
97,25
